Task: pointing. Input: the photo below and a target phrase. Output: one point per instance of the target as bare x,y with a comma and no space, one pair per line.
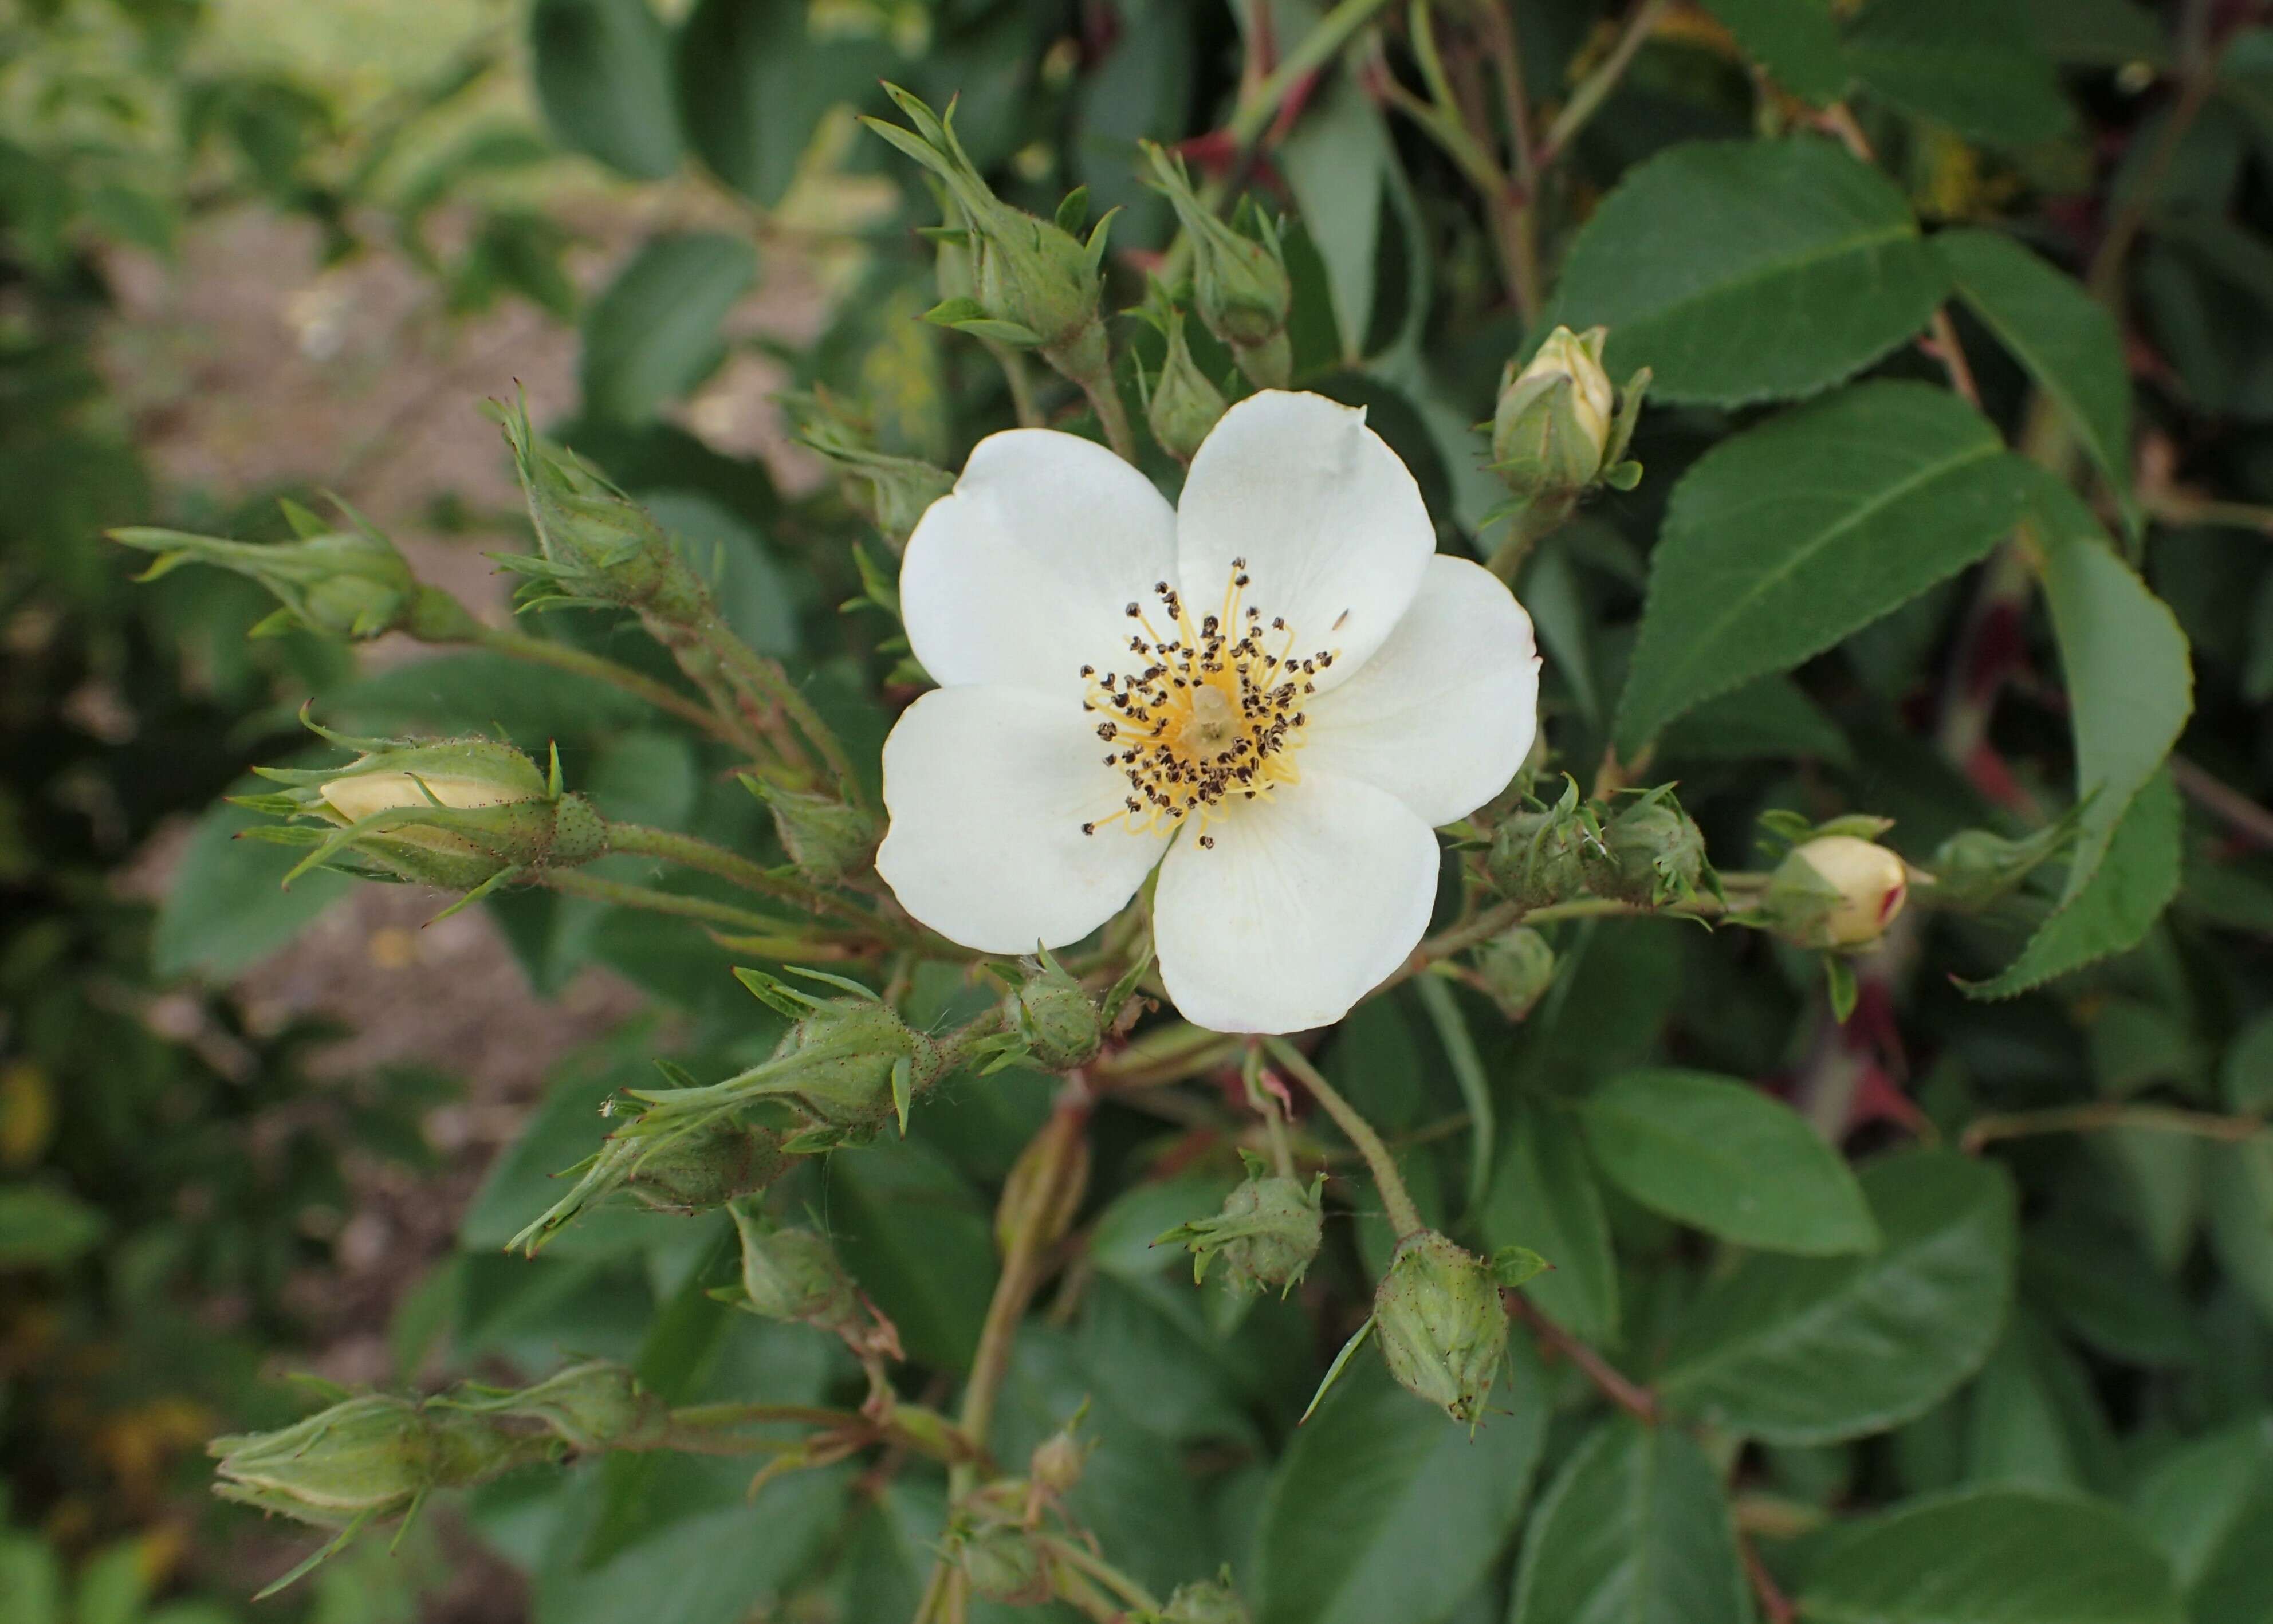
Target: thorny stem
1404,1216
2104,1113
562,656
1588,99
1637,1401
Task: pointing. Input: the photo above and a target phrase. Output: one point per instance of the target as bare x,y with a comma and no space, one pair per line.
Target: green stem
1312,52
575,883
1404,1216
669,845
2104,1113
765,680
1074,1555
561,656
1588,99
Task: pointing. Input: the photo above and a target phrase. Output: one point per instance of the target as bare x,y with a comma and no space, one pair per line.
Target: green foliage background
1958,1310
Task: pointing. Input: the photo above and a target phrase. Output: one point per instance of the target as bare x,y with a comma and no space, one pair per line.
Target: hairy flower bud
592,1406
1266,1233
697,1167
1181,405
1517,967
1538,858
1975,868
1576,359
1240,283
350,583
1003,1564
1056,1467
1652,852
791,1273
1836,891
1057,1024
1205,1601
891,492
1033,283
1443,1330
1559,428
826,839
372,1456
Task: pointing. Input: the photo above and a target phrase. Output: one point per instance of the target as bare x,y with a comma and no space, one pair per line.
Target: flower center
1209,717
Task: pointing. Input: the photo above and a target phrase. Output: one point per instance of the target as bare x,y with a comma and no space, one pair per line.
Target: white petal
1021,573
1444,713
1332,527
1306,902
987,788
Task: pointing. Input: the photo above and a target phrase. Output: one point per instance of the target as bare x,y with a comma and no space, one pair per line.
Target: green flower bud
1002,1564
791,1273
595,545
1033,283
1836,892
1559,428
1240,283
1652,852
366,1457
1517,967
703,1163
589,1407
891,492
1443,1330
1975,868
346,584
1205,1601
1057,1025
1266,1233
826,839
463,813
1181,405
1538,858
1057,1462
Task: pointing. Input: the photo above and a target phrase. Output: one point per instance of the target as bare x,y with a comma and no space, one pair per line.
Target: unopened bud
891,492
1056,1465
1443,1330
371,1457
1974,867
1239,283
1538,858
826,837
1033,283
589,1407
691,1170
791,1273
1652,852
1057,1024
350,583
1181,406
1003,1564
1559,428
1266,1234
1205,1601
1836,891
1517,967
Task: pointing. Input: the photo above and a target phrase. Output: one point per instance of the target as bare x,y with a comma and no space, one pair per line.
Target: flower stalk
1396,1200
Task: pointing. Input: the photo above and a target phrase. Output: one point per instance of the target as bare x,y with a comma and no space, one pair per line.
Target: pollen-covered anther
1209,715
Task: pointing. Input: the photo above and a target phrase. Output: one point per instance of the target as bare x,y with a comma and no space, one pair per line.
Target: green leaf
753,83
43,1228
1972,64
1806,1351
2101,33
654,334
916,1237
1543,1196
1720,1154
2239,1204
1751,270
1338,164
1994,1556
226,908
2247,1072
2063,335
1785,539
2210,1507
1635,1529
1796,41
1771,717
1382,1509
603,74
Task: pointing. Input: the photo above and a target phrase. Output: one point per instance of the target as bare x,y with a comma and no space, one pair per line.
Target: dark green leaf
1972,64
2210,1507
654,334
1382,1509
1543,1196
1772,717
2063,335
602,73
46,1228
1796,41
1788,537
1751,270
1720,1154
1802,1350
1995,1556
226,908
1634,1530
916,1238
753,83
2102,34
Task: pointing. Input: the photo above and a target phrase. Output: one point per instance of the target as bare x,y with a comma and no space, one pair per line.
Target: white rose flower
1275,694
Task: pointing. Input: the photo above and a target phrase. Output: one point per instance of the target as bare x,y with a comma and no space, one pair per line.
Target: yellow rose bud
1578,357
1837,891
